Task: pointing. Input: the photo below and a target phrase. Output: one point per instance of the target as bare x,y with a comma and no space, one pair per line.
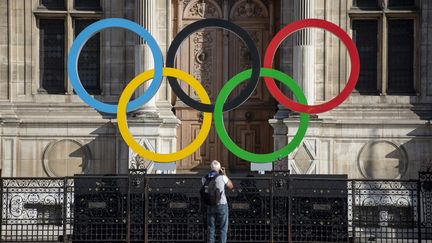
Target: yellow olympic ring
122,120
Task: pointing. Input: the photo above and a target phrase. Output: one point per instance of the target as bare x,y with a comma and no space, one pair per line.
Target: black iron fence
263,208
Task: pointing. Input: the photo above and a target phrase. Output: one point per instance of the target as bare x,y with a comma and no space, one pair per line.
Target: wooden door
213,56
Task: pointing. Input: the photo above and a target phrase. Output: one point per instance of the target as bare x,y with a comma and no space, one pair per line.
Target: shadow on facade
101,153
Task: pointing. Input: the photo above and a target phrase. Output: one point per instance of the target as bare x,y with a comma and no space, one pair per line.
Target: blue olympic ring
85,35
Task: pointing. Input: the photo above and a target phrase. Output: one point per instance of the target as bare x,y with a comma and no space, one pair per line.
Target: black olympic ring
240,32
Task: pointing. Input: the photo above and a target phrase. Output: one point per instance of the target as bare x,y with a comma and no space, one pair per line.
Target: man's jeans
217,215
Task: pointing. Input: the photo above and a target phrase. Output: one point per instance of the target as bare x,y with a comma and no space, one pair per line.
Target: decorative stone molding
304,158
136,161
382,160
55,153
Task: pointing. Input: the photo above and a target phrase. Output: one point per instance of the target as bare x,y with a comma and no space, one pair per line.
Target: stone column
304,51
297,58
145,10
302,48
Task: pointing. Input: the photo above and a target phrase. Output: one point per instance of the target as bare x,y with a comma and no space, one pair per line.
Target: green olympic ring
229,143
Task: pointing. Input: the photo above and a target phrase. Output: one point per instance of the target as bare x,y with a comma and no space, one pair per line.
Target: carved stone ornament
249,9
203,42
136,161
202,9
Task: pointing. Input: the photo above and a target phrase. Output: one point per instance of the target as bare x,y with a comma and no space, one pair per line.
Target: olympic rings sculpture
212,111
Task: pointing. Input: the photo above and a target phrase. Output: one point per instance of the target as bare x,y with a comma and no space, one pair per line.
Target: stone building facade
46,129
383,130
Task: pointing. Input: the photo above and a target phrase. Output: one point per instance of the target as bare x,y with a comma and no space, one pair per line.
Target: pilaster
145,11
304,51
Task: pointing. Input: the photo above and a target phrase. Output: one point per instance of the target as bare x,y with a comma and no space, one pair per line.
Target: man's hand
229,184
222,171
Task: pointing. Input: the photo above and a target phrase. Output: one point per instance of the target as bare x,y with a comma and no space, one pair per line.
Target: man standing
213,194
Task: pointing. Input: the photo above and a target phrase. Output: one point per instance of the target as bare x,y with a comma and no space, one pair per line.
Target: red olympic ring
342,35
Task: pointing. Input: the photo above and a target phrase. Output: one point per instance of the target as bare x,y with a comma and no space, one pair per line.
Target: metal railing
263,208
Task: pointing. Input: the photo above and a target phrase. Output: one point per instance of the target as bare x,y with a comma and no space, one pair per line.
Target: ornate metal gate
33,209
386,210
100,209
425,209
174,212
319,209
263,208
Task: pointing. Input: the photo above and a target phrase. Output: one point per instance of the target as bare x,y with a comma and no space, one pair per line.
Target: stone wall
367,136
55,135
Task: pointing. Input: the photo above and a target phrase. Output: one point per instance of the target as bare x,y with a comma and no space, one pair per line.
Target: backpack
210,194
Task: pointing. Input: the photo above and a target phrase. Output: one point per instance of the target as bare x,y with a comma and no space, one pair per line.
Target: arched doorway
213,55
